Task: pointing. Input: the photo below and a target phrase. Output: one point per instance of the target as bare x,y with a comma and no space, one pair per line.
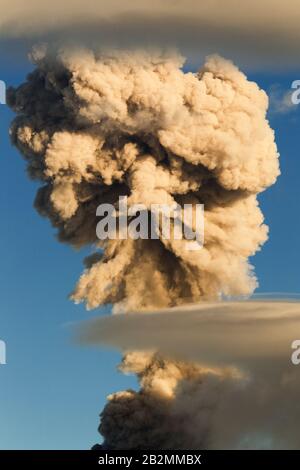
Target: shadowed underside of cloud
281,100
95,126
266,32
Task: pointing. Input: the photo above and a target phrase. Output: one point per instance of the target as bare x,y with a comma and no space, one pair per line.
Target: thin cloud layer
266,31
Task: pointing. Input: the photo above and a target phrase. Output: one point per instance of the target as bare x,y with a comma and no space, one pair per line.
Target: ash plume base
212,376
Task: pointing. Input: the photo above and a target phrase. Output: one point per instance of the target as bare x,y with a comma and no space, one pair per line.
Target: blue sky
51,390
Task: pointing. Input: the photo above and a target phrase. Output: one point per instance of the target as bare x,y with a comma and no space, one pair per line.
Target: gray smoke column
94,126
175,407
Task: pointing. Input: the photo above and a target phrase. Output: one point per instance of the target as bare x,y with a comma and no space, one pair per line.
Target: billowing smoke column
97,126
174,408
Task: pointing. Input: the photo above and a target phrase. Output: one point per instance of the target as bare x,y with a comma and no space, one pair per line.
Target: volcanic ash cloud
94,126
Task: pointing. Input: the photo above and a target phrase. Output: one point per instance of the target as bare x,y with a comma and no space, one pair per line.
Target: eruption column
94,126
